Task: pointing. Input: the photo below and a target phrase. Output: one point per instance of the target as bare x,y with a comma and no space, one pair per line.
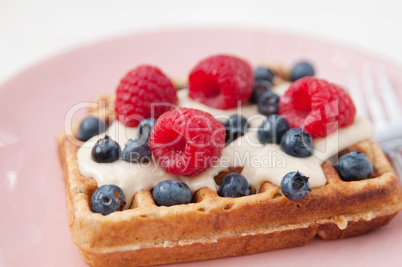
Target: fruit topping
221,82
170,192
108,199
298,143
354,166
300,70
272,129
268,103
90,127
187,141
295,186
317,106
260,87
144,129
263,73
144,92
106,150
234,185
235,127
136,151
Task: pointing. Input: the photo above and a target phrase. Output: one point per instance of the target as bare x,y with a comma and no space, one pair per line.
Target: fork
376,98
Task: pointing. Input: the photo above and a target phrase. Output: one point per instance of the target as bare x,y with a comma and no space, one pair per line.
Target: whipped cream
260,162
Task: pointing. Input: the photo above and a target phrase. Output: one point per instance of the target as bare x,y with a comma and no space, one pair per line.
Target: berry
136,151
90,127
106,150
295,186
263,73
272,129
300,70
268,103
297,143
221,82
144,92
235,127
234,185
144,129
108,199
260,87
170,192
317,106
187,141
354,166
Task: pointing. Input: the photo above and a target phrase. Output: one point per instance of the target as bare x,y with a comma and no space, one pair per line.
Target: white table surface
32,30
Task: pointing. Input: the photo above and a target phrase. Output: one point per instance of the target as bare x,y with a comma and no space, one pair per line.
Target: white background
33,30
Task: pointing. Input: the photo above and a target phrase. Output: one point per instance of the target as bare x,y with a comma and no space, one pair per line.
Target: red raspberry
187,141
143,93
317,106
221,82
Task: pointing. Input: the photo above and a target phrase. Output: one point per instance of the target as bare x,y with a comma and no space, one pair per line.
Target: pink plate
33,224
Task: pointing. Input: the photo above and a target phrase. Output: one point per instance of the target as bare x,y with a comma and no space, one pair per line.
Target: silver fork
376,98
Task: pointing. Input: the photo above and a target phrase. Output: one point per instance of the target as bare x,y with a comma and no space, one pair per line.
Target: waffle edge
214,227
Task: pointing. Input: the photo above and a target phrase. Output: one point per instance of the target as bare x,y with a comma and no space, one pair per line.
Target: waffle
213,226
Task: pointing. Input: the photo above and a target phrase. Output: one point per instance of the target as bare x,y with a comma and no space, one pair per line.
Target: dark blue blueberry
295,185
268,103
297,143
260,87
108,199
234,185
144,129
263,73
235,127
354,166
136,151
106,150
90,127
170,192
272,129
300,70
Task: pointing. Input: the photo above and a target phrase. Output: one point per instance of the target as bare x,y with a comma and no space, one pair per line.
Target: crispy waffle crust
213,227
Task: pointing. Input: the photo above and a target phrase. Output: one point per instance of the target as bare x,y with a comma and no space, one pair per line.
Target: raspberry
187,141
143,93
317,106
221,82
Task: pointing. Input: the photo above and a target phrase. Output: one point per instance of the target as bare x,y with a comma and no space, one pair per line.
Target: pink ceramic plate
33,224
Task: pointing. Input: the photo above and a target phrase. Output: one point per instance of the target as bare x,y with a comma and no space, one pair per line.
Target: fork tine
375,106
389,95
357,94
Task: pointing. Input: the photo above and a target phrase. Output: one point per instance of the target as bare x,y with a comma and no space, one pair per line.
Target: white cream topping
261,162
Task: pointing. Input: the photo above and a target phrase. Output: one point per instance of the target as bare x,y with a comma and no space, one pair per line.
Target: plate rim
372,55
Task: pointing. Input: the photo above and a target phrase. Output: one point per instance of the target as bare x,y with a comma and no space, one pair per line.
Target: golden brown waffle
213,226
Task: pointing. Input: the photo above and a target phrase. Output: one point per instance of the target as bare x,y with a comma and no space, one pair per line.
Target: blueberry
106,150
234,185
108,199
136,151
268,103
260,87
300,70
90,127
263,73
272,129
297,143
145,127
235,127
170,192
295,185
354,166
